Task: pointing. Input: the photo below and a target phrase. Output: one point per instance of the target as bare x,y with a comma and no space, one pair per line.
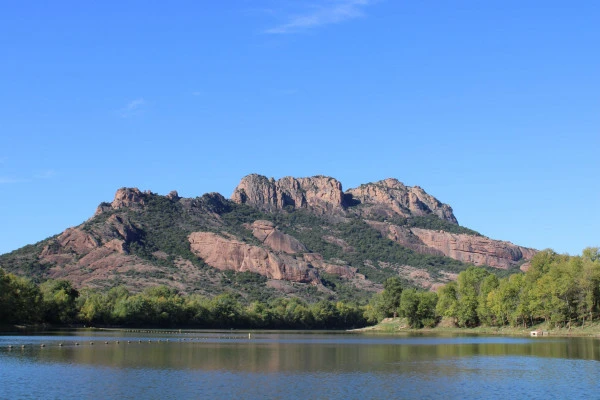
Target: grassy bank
400,326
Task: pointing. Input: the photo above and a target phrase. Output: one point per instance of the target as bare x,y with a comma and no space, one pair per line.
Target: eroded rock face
73,240
320,194
404,236
230,254
266,232
128,197
74,243
475,249
344,271
392,198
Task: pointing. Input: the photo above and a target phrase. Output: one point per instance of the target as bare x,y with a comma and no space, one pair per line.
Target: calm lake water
300,365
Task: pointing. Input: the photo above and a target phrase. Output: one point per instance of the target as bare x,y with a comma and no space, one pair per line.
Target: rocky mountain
298,236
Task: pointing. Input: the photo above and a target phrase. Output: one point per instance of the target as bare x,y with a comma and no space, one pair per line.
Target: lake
294,365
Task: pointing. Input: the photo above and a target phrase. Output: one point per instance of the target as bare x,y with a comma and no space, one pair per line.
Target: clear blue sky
491,106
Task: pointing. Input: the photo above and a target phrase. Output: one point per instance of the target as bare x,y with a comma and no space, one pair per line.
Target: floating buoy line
179,332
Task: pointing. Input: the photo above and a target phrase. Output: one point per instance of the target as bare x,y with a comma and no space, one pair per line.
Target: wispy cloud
326,13
133,107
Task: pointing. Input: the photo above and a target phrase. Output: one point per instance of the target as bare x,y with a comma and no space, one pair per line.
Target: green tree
226,311
326,314
391,296
409,306
447,305
468,289
426,310
20,300
484,311
60,301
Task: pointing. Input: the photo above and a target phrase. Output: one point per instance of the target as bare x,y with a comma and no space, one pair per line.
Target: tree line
58,302
560,290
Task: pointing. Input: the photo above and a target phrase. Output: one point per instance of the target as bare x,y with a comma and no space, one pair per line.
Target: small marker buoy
22,346
91,343
76,344
9,346
42,345
60,345
129,341
117,342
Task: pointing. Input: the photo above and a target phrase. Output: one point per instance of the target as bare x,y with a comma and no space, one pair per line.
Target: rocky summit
304,237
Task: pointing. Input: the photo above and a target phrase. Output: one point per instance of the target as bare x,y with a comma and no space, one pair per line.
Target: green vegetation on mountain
429,221
302,239
559,290
57,302
159,237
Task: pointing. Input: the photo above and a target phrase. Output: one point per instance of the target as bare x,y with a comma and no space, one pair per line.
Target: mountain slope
301,237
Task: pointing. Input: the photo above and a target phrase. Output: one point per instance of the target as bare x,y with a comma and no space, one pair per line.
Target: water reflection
295,365
283,352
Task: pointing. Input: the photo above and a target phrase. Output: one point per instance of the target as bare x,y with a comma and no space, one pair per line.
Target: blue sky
493,107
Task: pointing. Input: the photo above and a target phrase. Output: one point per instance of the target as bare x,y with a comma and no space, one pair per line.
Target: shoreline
400,326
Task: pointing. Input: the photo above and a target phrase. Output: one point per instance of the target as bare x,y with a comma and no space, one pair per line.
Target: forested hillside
301,238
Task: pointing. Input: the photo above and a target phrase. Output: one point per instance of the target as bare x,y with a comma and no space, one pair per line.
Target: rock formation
231,254
477,250
142,239
128,197
278,241
324,195
319,194
391,198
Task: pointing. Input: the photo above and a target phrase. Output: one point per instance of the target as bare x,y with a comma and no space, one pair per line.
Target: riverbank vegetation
558,291
57,302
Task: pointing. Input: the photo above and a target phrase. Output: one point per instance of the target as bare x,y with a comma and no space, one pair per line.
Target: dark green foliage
344,291
368,244
22,301
59,301
24,261
161,226
558,289
391,296
252,285
431,221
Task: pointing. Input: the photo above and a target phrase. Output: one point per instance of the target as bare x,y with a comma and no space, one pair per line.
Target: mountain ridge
306,236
